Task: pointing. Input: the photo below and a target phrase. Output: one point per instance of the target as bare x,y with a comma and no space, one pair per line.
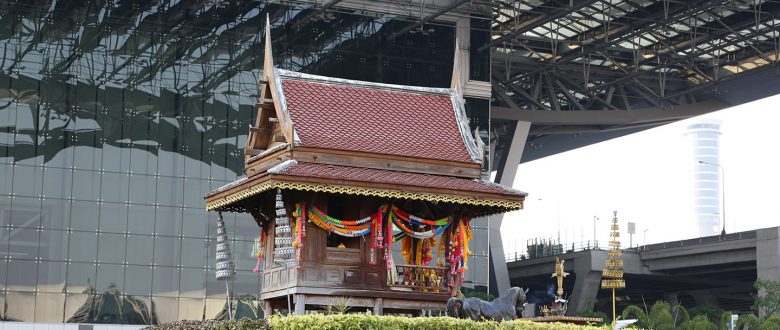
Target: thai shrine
338,172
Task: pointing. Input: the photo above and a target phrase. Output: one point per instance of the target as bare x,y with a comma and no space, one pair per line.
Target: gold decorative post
613,266
559,275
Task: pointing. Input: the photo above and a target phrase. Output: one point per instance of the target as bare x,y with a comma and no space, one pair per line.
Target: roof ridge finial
457,75
268,57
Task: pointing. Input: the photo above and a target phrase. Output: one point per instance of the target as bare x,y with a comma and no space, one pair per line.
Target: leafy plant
712,312
589,312
767,303
659,317
339,305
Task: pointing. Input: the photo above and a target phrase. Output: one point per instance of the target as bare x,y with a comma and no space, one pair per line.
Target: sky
647,177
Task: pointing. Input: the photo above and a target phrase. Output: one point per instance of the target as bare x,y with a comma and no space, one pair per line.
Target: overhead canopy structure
612,67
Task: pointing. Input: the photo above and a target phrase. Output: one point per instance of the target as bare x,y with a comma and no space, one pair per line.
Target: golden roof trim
272,184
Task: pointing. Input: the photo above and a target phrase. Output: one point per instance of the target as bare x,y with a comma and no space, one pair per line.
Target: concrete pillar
300,304
671,298
704,297
506,177
378,308
768,255
587,268
268,309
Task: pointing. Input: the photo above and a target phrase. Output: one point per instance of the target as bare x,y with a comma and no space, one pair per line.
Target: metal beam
429,18
602,117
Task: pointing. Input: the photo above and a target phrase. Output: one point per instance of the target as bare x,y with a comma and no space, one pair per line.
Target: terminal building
116,117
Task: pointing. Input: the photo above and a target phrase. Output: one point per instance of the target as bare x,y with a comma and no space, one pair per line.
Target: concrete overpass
707,270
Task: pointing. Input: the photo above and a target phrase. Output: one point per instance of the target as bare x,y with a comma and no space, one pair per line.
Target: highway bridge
710,270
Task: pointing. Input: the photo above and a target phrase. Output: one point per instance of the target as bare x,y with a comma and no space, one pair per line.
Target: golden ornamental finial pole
613,266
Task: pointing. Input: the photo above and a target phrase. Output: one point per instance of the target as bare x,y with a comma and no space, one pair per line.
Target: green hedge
367,321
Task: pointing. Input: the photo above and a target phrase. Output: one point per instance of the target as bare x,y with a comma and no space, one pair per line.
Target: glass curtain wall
116,117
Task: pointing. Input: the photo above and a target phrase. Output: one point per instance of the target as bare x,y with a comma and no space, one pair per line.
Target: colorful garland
300,230
419,221
340,227
458,250
259,250
417,236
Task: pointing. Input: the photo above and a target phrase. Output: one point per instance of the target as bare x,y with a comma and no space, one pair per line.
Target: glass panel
194,252
57,182
18,306
246,282
165,282
86,185
81,277
21,275
195,223
140,249
140,219
25,212
167,251
167,309
83,246
24,243
142,189
53,245
111,248
51,276
55,213
84,216
114,187
28,180
49,307
191,308
170,191
168,221
110,278
113,217
77,307
6,173
193,282
138,280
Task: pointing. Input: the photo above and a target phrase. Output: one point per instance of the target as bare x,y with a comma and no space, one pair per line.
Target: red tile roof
335,172
339,115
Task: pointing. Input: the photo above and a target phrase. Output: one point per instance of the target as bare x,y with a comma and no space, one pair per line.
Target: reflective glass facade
116,117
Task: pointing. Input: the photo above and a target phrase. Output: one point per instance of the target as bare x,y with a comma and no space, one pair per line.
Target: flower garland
419,221
340,227
259,250
458,250
300,230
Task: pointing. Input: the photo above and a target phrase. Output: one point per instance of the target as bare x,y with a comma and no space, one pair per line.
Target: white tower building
705,136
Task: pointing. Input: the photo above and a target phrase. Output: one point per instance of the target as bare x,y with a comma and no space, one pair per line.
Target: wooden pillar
300,304
378,308
268,309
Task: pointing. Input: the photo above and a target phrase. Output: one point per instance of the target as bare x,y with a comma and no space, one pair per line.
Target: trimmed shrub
368,322
213,325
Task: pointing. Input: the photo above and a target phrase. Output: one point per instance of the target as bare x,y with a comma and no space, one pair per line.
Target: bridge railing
694,241
545,249
534,251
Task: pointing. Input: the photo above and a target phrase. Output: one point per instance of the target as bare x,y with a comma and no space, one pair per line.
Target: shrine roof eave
488,199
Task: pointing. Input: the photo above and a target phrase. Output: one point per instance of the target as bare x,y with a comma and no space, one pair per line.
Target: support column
672,298
587,268
505,176
378,308
268,309
768,255
300,304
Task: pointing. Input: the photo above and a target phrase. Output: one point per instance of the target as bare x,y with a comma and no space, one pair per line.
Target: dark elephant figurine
500,309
